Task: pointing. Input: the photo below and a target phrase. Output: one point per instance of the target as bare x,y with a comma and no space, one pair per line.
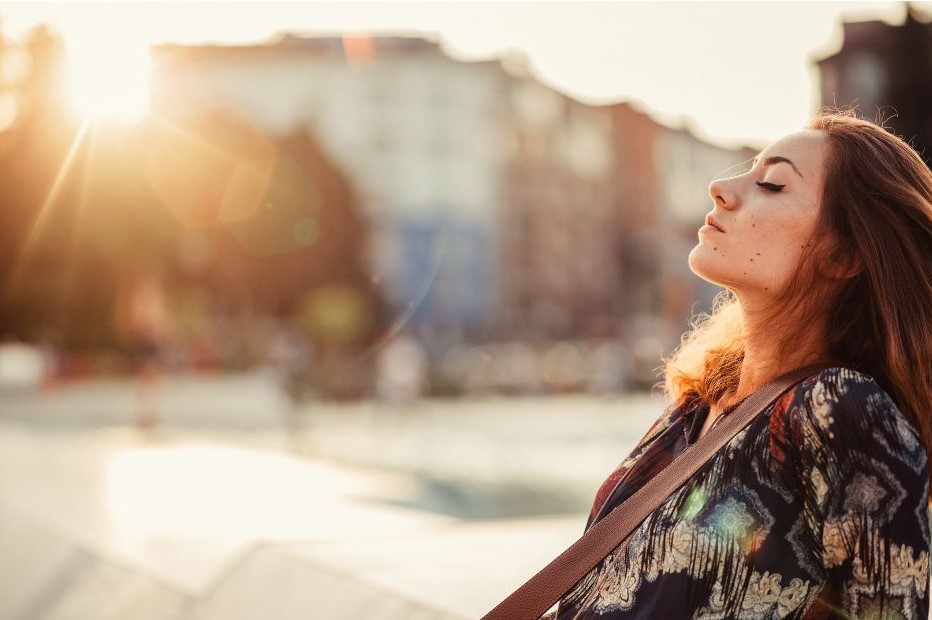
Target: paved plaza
238,505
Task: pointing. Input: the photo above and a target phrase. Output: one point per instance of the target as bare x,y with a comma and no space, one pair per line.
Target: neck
763,357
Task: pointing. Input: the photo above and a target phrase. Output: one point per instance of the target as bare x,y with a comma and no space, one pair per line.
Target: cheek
764,257
774,240
775,254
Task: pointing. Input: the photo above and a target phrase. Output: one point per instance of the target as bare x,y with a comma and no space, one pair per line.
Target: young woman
818,509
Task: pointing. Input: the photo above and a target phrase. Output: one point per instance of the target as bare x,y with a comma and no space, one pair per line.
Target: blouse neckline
696,415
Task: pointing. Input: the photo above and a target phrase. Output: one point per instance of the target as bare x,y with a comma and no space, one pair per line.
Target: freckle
715,247
753,225
758,253
752,260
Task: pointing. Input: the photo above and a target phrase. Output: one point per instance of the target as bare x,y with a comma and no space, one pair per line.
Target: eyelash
770,187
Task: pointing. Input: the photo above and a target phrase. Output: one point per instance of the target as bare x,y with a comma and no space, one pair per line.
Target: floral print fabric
817,509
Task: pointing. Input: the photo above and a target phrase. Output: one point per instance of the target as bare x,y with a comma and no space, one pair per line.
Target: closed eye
770,187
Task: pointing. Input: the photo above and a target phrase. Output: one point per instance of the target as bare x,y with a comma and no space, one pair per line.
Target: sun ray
70,279
21,260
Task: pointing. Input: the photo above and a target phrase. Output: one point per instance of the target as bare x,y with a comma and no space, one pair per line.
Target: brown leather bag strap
544,589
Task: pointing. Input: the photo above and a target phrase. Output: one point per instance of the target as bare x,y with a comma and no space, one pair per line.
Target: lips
711,222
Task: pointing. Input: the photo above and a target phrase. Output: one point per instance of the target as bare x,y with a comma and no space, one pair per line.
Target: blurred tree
33,149
286,238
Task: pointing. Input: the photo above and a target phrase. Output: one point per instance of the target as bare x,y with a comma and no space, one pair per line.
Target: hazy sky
741,70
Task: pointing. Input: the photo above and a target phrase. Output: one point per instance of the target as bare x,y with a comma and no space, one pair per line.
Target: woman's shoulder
847,408
837,392
839,386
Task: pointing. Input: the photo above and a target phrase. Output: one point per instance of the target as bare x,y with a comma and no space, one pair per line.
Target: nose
722,194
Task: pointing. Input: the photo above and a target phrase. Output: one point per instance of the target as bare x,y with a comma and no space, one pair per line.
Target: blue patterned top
818,509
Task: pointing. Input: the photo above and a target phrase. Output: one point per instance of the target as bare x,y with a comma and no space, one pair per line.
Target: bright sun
108,75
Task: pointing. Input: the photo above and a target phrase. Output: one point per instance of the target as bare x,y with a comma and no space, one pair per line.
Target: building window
866,77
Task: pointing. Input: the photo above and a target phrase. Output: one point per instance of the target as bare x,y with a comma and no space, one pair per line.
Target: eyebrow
776,159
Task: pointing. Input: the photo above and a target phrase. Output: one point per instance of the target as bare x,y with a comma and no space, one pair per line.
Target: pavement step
465,568
270,584
44,576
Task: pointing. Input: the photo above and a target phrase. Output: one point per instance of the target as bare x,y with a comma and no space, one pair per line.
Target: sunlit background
306,307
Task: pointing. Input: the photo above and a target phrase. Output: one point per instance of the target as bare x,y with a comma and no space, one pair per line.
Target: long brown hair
875,220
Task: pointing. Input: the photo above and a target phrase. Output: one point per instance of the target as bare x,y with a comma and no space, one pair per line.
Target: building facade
478,181
886,71
661,176
499,208
560,274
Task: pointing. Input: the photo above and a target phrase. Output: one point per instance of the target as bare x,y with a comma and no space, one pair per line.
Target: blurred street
237,505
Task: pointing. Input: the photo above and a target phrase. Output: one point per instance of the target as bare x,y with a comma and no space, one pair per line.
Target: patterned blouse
818,509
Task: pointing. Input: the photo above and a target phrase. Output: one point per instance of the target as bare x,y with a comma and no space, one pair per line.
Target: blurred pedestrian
401,371
150,330
51,359
290,358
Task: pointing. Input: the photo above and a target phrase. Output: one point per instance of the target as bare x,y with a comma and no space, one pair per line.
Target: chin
695,260
698,262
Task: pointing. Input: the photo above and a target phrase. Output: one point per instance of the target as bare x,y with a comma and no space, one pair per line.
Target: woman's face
753,238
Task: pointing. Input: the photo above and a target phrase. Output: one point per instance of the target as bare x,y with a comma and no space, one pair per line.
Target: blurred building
489,194
686,165
637,199
418,133
885,67
660,178
560,277
500,208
